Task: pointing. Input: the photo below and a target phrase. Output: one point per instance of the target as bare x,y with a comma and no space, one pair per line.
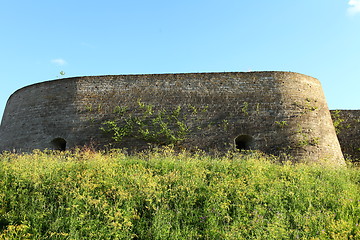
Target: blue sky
320,38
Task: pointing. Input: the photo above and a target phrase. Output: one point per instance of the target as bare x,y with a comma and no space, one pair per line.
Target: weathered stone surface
348,132
275,112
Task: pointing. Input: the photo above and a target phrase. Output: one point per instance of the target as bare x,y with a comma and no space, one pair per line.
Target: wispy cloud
59,61
354,7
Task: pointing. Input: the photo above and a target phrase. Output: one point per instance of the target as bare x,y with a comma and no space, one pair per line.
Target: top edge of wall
163,75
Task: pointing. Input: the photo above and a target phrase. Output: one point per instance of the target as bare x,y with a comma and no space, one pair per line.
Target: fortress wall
224,97
34,115
309,118
282,112
348,132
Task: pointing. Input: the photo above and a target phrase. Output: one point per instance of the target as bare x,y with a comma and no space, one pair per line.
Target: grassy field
162,195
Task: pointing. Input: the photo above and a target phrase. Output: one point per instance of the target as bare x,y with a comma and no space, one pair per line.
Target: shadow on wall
40,104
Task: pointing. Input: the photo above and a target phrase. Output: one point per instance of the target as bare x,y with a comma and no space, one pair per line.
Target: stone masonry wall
348,128
282,112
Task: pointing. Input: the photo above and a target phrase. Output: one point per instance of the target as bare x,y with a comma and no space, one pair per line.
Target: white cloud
354,7
59,61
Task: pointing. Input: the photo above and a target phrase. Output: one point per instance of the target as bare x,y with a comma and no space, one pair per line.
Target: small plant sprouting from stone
309,106
205,109
225,124
245,107
258,107
120,110
193,109
92,120
99,108
306,140
89,108
281,124
197,110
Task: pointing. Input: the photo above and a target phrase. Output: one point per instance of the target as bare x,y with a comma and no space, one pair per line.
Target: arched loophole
244,142
59,144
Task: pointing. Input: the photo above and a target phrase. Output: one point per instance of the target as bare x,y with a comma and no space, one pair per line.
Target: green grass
162,195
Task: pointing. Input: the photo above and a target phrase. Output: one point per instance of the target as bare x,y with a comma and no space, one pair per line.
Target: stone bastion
348,131
274,112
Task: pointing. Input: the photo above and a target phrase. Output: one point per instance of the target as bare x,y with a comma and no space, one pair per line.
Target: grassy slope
86,195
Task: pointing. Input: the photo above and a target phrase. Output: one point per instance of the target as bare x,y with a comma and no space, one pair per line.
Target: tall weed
163,195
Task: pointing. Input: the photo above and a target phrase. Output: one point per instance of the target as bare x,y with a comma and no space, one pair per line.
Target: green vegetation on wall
160,127
337,120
